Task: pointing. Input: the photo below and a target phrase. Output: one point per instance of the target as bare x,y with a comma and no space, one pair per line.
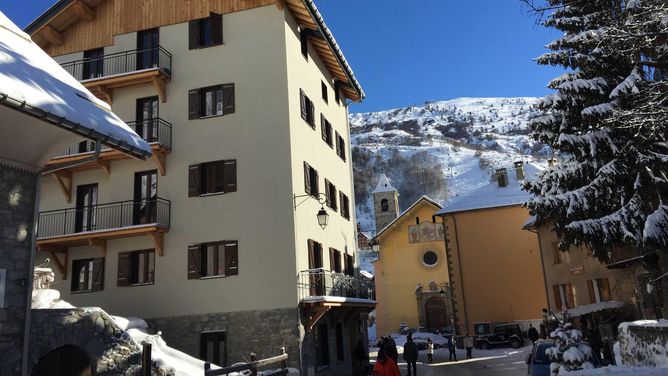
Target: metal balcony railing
120,63
155,130
115,215
321,282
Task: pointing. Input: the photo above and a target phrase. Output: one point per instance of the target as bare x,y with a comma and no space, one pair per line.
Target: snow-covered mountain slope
442,149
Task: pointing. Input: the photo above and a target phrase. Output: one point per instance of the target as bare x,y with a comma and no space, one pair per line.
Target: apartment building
215,239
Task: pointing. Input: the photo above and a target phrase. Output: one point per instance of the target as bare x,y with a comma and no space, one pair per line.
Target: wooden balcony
128,68
58,230
157,132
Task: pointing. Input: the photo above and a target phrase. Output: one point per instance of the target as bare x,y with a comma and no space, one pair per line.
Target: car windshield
539,356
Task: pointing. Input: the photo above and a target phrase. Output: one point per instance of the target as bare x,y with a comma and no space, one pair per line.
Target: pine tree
607,121
568,353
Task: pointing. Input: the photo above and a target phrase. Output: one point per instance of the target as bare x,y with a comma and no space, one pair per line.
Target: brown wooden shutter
328,198
315,189
307,178
341,203
333,196
302,101
231,258
557,297
123,278
592,294
338,144
194,261
571,297
193,34
311,254
332,261
228,99
343,148
216,28
604,286
194,104
323,130
194,183
230,176
311,112
98,274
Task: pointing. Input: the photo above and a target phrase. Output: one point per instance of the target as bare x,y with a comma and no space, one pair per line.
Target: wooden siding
115,17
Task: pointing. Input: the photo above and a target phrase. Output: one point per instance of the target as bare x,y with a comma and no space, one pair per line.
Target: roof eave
46,16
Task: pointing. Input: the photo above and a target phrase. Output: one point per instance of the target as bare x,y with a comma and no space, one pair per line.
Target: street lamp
322,215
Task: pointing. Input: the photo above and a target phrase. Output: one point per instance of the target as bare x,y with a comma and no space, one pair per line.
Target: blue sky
407,52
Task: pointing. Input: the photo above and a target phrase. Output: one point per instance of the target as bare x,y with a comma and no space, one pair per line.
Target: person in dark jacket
390,348
532,333
452,346
411,354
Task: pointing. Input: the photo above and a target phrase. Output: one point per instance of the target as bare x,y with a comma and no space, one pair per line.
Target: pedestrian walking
411,355
430,351
532,333
543,331
390,348
452,346
385,366
468,344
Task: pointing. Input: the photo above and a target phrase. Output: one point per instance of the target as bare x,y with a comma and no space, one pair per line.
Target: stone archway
436,317
68,360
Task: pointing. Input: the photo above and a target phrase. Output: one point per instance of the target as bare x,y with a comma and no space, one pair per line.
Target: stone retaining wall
644,346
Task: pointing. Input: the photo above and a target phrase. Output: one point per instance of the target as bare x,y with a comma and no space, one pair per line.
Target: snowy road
496,362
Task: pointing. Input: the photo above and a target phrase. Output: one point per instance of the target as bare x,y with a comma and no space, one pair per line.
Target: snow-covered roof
594,307
492,195
415,204
384,185
366,274
32,83
529,223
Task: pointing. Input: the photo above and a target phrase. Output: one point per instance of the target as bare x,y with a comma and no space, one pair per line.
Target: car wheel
515,343
484,346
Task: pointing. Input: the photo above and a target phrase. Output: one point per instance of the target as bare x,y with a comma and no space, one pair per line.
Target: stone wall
643,346
17,205
262,332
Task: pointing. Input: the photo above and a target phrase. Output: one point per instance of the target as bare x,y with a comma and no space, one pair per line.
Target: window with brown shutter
599,290
334,260
345,205
217,100
307,109
605,290
556,291
136,268
326,128
330,192
205,32
194,261
349,264
323,88
311,180
570,302
590,288
228,99
87,275
340,147
123,277
307,178
194,104
231,259
212,178
213,259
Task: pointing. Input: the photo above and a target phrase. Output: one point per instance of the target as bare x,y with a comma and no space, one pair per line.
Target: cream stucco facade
266,135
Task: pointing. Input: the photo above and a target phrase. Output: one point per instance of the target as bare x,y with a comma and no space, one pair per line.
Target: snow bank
619,370
644,343
48,299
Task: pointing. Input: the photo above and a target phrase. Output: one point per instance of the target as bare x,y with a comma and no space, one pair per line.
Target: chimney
551,162
502,177
519,170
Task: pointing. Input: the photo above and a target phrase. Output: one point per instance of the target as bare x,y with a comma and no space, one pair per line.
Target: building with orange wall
495,269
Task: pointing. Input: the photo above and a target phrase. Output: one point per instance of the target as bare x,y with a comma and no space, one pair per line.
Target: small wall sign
577,270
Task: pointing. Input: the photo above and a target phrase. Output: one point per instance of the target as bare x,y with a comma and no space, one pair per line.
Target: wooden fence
281,369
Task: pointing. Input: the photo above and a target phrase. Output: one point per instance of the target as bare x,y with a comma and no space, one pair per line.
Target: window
563,296
212,177
213,347
211,101
339,341
93,63
323,87
321,346
316,282
215,259
311,185
349,264
430,258
307,109
599,290
330,192
340,147
335,260
136,268
345,205
326,128
87,275
384,205
337,93
303,39
205,32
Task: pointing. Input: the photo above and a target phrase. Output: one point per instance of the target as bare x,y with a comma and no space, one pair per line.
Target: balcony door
146,118
93,66
146,193
316,277
86,208
148,44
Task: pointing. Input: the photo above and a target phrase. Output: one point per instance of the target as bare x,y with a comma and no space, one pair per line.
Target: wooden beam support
99,243
158,239
160,159
103,93
52,35
105,165
64,180
280,4
160,87
61,265
83,11
315,314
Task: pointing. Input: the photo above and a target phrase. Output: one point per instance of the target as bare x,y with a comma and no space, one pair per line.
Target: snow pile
620,371
644,343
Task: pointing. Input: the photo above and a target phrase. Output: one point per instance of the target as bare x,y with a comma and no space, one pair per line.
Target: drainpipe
461,273
33,246
542,264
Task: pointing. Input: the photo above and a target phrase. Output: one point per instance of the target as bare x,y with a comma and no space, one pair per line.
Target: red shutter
571,297
216,28
98,274
557,297
194,261
194,105
230,176
194,184
193,34
592,294
307,178
604,287
231,258
123,278
228,99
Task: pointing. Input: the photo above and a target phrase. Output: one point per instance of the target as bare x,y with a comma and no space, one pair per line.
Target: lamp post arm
320,197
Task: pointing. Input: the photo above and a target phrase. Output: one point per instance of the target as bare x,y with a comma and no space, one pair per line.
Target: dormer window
384,205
